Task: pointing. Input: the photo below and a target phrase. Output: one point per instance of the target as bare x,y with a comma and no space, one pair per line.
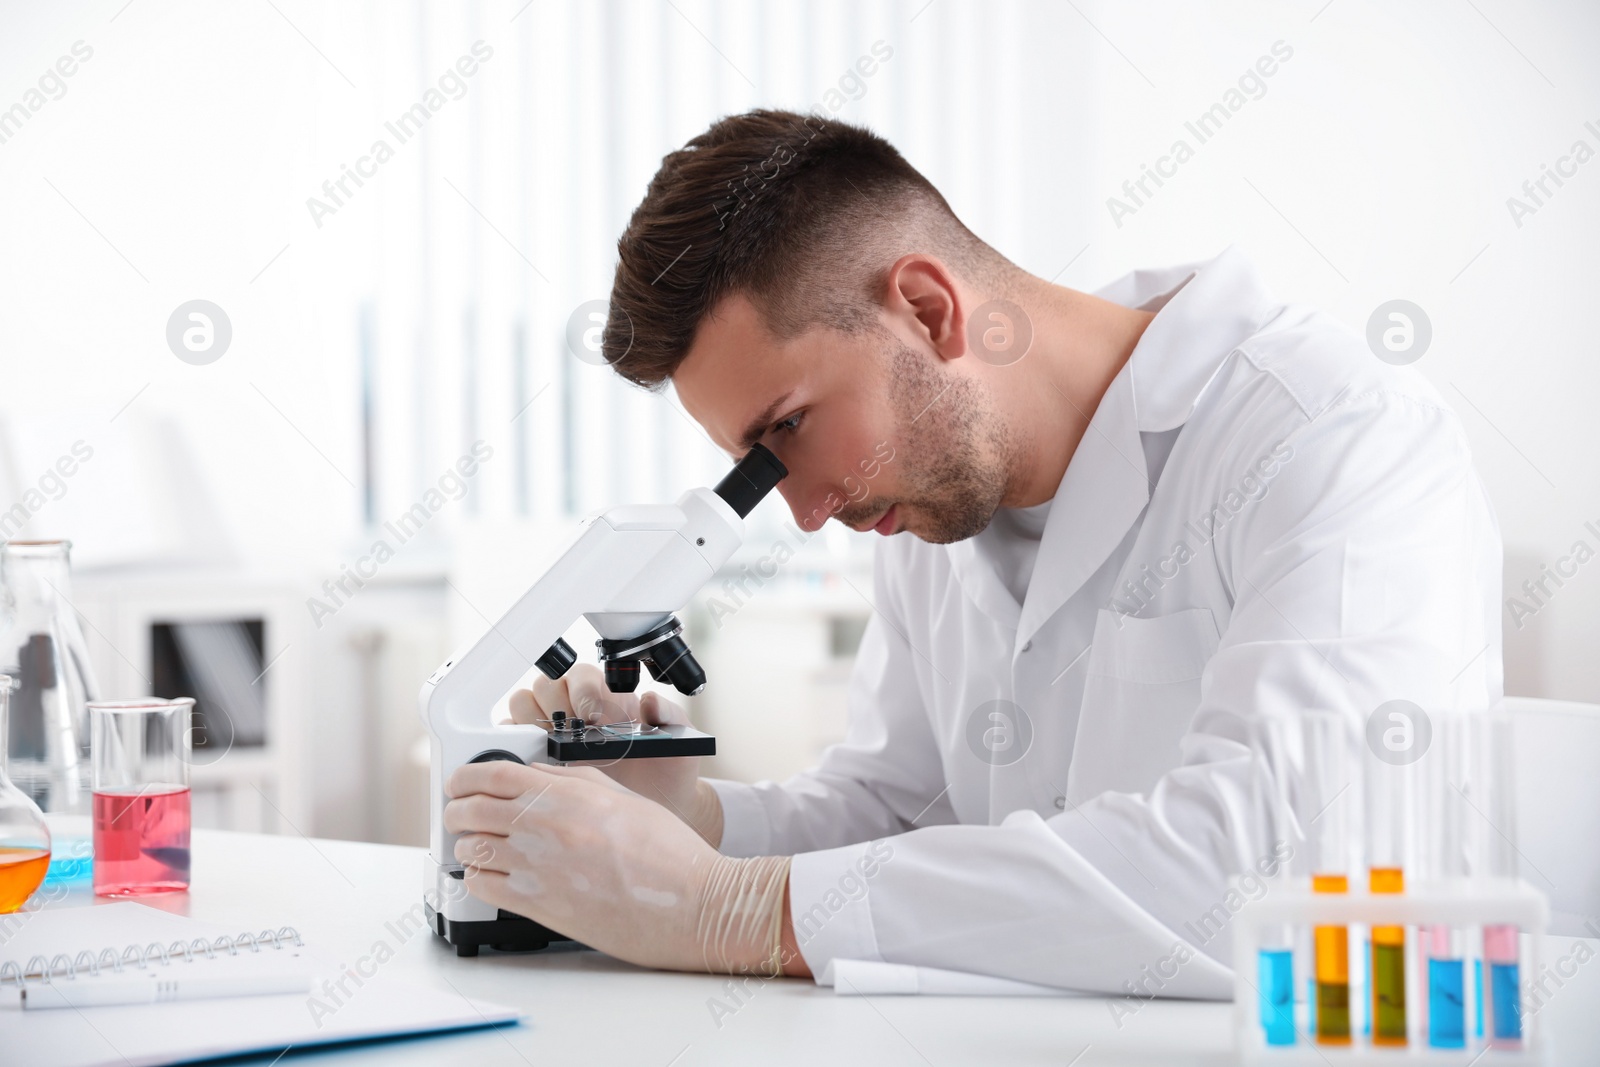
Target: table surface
585,1007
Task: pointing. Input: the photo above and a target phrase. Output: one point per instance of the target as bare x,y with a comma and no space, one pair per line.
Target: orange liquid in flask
21,871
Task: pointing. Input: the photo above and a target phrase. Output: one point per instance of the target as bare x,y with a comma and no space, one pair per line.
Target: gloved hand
674,781
577,851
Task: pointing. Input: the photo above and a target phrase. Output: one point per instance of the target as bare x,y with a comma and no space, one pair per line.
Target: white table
586,1008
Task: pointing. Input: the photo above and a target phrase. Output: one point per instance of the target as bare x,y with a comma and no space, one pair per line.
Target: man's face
864,422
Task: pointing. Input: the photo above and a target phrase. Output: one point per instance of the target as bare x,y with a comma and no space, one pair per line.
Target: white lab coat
1338,552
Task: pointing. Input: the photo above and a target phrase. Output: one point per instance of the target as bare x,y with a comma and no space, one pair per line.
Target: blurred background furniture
447,304
1558,806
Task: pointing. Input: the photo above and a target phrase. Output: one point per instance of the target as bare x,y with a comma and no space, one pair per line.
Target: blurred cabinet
777,673
315,736
239,646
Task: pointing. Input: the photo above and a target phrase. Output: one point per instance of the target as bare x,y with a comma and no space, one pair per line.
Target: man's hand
575,850
673,781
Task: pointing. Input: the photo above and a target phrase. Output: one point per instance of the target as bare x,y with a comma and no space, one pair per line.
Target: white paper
857,978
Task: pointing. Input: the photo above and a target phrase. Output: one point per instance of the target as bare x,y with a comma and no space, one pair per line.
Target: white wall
179,161
1377,165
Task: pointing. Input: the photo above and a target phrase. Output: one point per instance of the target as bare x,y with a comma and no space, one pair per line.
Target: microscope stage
625,742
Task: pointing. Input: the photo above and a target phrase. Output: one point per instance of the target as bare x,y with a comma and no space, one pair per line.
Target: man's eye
791,423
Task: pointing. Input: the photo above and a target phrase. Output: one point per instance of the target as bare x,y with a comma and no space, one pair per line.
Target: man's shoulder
1305,386
1314,362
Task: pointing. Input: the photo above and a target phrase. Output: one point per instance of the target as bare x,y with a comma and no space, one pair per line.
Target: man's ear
923,293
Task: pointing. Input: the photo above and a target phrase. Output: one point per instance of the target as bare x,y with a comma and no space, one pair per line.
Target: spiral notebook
68,946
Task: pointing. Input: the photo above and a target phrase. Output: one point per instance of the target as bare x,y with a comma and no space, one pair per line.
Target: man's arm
886,773
1371,570
627,877
794,964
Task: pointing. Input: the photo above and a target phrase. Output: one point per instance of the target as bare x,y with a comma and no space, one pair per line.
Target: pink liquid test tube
141,752
1502,950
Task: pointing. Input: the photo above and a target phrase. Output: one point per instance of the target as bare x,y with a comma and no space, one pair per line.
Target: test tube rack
1468,904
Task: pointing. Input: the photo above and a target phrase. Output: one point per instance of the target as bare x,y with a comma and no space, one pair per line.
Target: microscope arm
626,571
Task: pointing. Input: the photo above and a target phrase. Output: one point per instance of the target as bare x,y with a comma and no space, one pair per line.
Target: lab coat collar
1203,311
1102,493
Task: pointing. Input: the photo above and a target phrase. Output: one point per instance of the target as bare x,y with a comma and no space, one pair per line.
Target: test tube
1390,811
1497,833
1443,860
1328,797
1275,957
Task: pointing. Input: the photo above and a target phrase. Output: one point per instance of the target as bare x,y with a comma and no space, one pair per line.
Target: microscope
627,571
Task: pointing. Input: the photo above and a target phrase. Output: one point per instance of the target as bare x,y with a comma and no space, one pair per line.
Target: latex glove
670,780
577,851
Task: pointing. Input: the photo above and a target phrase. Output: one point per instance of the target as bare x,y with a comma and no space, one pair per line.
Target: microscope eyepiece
751,479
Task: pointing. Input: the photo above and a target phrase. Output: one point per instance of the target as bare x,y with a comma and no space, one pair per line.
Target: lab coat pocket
1142,690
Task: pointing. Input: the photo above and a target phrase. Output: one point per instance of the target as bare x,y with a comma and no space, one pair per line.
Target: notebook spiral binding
42,969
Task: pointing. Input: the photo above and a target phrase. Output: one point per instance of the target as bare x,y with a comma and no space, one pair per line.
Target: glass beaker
42,649
24,838
141,795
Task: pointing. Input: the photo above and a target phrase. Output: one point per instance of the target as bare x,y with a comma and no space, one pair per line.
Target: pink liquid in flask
141,841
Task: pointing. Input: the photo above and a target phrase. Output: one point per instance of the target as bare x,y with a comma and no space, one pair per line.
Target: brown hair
790,210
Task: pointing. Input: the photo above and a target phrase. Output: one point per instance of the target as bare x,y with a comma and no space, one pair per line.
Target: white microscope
627,570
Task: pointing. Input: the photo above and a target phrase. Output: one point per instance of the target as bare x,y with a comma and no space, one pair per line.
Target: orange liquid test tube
1328,741
1332,967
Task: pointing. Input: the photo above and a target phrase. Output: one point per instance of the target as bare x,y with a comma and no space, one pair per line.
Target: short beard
957,450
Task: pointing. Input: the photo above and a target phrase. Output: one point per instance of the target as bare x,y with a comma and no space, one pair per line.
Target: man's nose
807,506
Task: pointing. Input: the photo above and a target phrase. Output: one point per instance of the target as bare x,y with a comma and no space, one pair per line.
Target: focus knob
557,660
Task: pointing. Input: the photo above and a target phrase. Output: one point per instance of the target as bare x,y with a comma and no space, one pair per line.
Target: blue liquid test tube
1276,983
1477,992
1275,978
1445,859
1447,1014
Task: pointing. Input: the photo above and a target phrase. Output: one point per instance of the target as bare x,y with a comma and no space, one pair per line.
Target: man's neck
1080,343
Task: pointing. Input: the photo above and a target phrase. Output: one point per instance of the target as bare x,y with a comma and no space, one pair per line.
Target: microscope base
508,932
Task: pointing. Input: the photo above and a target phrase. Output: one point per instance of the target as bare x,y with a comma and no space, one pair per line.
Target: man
1143,523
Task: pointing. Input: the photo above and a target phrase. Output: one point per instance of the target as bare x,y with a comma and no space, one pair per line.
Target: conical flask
42,649
24,838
